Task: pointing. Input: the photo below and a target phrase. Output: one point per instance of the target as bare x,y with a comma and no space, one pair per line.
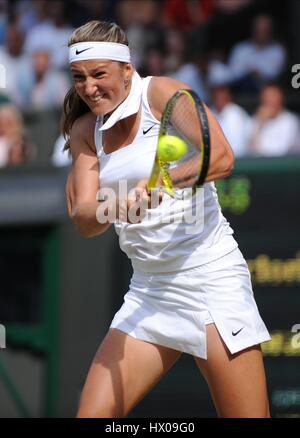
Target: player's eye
99,74
77,77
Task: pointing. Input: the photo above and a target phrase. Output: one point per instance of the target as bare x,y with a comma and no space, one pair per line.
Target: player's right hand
133,208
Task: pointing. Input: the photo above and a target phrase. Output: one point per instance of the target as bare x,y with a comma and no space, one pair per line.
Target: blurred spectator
174,50
95,8
230,6
52,34
43,87
193,75
60,157
275,130
31,13
15,147
3,20
14,61
140,19
82,11
233,119
185,14
227,23
193,72
173,60
153,63
259,60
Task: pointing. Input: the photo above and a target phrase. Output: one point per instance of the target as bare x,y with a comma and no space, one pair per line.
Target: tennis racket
185,118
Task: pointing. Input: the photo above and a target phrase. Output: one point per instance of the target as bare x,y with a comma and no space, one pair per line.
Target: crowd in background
228,51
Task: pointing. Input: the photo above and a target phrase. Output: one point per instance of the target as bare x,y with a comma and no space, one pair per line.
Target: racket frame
160,167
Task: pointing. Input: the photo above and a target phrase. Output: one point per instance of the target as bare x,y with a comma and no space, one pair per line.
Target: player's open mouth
96,99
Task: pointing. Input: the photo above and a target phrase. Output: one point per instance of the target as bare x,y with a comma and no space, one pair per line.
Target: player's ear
127,74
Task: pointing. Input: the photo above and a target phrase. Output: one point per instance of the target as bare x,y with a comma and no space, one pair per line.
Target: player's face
102,85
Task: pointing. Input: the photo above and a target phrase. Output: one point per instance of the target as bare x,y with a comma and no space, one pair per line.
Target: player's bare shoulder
82,133
161,89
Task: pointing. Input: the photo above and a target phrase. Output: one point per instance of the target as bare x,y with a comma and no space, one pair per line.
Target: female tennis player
190,292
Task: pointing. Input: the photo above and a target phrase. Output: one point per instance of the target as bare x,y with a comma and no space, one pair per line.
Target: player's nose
90,87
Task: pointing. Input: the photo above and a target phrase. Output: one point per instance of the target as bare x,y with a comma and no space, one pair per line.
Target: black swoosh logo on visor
80,51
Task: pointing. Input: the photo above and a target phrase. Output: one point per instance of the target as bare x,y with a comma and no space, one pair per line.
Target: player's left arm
161,89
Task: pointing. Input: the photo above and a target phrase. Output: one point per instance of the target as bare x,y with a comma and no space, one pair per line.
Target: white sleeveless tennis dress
186,274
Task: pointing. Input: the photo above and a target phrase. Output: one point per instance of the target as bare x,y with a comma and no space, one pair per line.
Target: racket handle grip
153,177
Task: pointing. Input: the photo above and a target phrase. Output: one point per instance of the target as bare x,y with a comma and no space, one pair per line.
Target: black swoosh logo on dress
147,130
80,51
236,333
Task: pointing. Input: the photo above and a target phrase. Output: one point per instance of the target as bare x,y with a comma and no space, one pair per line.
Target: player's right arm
83,180
221,155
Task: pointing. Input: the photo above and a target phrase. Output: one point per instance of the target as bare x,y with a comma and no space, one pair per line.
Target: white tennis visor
85,51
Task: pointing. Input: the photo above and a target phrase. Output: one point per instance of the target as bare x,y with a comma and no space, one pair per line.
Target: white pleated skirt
173,309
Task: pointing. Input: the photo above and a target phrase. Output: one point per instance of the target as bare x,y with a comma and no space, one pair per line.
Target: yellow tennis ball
171,148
